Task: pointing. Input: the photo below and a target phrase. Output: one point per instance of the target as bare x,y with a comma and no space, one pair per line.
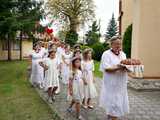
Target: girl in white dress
114,96
59,53
44,53
43,49
76,85
51,79
88,68
66,57
37,73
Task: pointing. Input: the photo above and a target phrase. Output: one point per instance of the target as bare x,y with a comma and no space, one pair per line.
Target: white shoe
57,92
79,117
41,86
50,100
84,106
53,98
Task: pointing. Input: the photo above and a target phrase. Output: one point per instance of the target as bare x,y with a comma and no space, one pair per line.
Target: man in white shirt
114,96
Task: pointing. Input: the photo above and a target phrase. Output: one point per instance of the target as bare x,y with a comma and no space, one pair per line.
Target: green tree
28,13
62,35
71,38
8,23
98,49
93,35
127,41
75,11
112,28
18,15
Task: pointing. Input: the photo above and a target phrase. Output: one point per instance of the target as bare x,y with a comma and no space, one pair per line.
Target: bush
93,36
71,38
83,47
127,40
98,50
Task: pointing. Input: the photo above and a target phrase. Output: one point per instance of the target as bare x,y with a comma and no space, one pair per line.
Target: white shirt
114,97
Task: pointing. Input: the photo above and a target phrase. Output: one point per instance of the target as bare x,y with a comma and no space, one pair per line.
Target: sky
104,10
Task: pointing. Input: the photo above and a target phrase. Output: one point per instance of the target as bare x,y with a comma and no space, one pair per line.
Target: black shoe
69,110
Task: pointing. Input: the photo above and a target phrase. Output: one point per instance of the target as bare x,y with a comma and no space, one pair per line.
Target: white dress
59,53
89,89
51,75
114,96
66,68
78,86
37,73
44,52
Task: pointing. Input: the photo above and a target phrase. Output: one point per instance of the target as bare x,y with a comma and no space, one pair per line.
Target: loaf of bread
131,62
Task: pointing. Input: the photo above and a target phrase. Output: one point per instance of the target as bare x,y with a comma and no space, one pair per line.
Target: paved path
143,106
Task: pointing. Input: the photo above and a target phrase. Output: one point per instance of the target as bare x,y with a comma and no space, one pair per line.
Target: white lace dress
78,86
89,89
44,52
51,75
66,68
37,73
59,53
114,96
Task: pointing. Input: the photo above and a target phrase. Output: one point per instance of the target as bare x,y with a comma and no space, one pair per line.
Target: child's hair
85,53
74,53
77,46
51,51
66,46
45,45
35,45
62,44
73,63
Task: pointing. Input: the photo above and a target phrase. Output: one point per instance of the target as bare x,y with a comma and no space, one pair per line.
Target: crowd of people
53,63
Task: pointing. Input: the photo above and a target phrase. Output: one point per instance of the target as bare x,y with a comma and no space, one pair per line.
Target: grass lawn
97,72
18,101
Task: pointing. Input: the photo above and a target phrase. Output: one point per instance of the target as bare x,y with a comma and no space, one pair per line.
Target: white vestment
114,96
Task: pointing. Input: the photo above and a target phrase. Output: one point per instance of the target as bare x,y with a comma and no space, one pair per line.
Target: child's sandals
84,106
90,107
50,100
53,98
79,117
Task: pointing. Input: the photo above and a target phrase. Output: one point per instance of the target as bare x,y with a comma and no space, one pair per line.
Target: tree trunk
20,46
9,48
74,23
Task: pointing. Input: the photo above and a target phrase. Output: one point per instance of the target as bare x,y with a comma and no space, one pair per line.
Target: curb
56,116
